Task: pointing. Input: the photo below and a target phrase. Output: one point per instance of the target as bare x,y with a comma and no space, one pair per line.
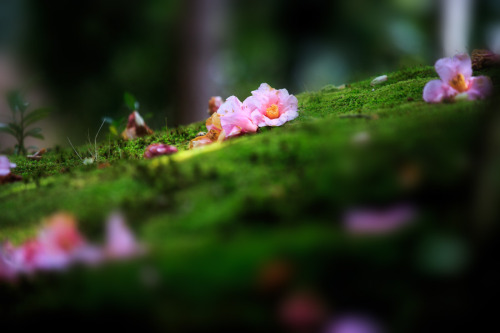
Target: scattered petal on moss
158,149
378,221
136,127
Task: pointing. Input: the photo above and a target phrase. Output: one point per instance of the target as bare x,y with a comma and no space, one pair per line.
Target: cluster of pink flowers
266,107
456,81
59,244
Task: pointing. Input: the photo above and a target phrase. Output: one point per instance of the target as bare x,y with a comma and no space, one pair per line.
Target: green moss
220,212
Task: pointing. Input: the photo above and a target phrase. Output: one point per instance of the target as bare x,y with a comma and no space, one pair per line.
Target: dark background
173,55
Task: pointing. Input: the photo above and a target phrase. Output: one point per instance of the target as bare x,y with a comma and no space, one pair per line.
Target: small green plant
21,120
116,126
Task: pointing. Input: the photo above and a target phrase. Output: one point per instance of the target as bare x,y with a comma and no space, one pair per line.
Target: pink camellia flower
235,118
213,104
5,166
375,221
158,149
120,242
271,107
456,80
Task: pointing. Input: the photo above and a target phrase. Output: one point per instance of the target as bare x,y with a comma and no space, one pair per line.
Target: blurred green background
173,55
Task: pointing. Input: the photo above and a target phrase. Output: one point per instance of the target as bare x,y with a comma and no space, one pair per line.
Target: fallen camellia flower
271,107
158,149
372,221
379,80
235,118
456,81
213,104
136,127
59,244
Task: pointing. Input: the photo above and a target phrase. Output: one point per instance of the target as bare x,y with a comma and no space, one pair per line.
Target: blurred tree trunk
456,16
200,35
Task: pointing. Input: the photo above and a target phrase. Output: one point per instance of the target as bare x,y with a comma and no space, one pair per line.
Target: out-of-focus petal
159,149
479,87
120,242
5,165
136,127
213,104
353,324
375,221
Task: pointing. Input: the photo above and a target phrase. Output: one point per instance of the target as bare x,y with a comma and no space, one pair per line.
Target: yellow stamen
458,83
272,112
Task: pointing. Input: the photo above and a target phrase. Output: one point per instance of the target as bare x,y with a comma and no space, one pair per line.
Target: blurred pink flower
5,165
158,149
235,118
55,247
353,324
456,79
120,242
213,104
302,312
271,107
375,221
59,244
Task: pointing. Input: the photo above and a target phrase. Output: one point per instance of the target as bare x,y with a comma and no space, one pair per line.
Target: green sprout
21,120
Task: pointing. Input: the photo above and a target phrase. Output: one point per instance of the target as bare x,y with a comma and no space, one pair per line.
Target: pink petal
237,123
232,104
479,87
448,68
120,242
436,91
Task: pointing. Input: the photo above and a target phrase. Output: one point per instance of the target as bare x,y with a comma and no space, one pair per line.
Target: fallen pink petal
120,242
5,166
136,127
159,149
378,221
353,324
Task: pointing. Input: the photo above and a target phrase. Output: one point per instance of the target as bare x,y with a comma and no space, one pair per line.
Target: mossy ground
213,218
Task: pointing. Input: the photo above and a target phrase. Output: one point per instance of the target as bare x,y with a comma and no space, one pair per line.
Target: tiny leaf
35,133
130,101
36,115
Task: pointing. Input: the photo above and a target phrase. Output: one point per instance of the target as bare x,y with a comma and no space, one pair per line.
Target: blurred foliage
21,120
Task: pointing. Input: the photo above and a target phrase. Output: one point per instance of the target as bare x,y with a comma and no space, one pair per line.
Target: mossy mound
215,218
